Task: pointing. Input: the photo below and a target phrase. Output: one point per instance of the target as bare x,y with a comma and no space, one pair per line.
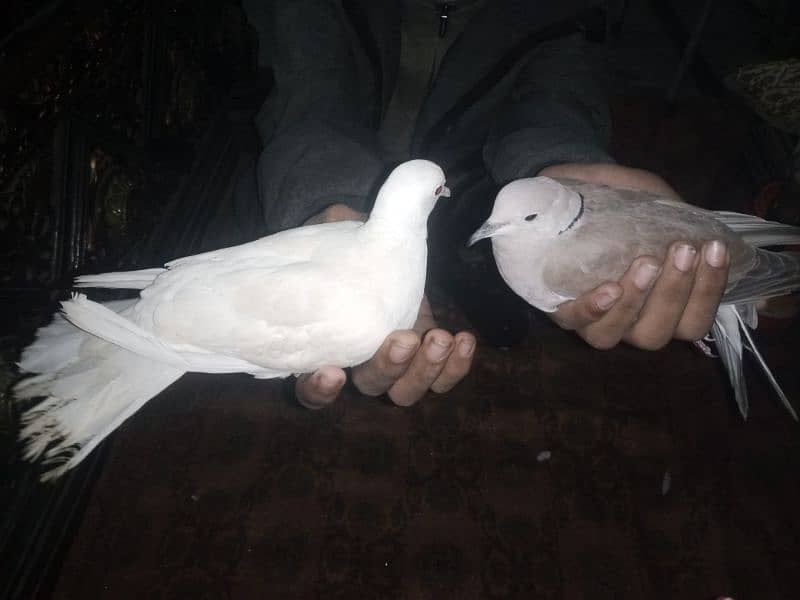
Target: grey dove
555,239
289,303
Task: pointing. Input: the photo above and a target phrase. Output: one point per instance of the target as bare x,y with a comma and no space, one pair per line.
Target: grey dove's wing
620,225
758,232
771,274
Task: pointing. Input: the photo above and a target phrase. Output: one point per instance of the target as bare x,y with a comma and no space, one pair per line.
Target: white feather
104,323
130,280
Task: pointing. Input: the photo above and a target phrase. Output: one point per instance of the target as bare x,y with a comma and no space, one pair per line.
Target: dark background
123,128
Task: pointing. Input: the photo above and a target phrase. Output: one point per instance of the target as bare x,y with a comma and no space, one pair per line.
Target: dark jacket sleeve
557,112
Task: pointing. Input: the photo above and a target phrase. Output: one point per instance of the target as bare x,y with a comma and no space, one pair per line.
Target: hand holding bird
654,301
409,362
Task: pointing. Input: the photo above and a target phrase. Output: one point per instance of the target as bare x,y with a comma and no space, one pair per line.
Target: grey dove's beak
487,230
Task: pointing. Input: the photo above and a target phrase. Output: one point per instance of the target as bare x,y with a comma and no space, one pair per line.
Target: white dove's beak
445,192
487,230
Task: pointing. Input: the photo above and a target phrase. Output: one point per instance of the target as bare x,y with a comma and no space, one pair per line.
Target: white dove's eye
531,217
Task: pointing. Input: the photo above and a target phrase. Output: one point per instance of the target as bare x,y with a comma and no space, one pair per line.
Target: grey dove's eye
531,217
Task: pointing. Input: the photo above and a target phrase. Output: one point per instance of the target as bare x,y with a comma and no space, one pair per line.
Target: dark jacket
517,90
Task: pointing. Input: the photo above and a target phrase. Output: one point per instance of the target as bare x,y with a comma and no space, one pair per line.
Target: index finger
588,308
709,286
380,372
317,390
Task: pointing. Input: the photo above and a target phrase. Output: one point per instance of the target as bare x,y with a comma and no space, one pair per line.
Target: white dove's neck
402,219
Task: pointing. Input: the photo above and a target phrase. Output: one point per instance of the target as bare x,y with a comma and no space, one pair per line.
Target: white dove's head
410,192
534,207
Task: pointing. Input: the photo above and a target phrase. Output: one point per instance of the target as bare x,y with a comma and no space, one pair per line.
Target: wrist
613,175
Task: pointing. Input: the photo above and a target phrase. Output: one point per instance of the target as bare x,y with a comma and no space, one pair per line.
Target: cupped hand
408,363
654,301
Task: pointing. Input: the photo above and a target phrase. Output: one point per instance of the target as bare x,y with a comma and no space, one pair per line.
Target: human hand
408,363
654,301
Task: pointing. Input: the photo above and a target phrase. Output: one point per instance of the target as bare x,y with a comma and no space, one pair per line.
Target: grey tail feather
729,346
752,347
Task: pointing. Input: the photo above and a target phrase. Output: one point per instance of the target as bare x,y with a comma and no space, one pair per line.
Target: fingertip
683,256
645,272
716,254
401,347
465,344
329,380
458,364
319,389
438,345
606,297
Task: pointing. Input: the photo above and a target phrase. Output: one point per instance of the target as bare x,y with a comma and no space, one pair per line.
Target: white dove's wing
102,321
286,246
287,319
129,280
292,245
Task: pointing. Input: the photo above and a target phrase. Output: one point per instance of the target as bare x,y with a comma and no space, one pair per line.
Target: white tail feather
106,324
129,280
86,397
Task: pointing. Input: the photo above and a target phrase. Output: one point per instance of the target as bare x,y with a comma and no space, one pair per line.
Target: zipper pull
444,7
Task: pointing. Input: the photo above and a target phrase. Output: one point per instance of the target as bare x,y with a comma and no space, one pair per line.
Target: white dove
555,239
289,303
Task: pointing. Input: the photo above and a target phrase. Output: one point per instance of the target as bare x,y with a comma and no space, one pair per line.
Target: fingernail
715,254
437,349
607,299
645,276
684,257
465,348
400,353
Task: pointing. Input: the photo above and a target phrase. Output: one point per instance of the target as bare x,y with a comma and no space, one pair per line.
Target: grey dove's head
409,193
534,207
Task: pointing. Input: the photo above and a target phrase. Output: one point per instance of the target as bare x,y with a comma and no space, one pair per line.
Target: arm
557,112
653,302
408,363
